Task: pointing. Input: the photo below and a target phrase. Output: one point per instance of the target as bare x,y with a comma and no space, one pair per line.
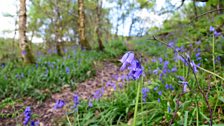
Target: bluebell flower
198,42
67,70
211,29
185,84
120,85
34,123
158,100
194,66
181,78
37,65
167,86
111,84
98,93
59,104
160,93
90,104
27,114
174,69
165,65
156,88
160,59
168,109
155,71
154,60
24,52
133,64
3,65
126,59
144,93
217,34
76,100
136,69
171,44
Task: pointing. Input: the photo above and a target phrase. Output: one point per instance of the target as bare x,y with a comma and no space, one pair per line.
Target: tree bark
57,30
82,39
98,10
26,51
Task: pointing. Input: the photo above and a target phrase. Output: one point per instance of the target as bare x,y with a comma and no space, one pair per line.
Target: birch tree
26,52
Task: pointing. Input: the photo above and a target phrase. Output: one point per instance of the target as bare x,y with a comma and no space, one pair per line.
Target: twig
211,11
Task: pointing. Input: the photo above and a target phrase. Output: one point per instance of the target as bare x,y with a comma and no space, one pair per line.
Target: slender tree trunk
98,10
57,31
82,38
24,45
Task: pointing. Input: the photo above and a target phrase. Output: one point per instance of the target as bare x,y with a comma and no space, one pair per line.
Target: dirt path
106,72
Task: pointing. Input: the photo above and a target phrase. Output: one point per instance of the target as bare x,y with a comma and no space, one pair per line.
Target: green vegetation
175,77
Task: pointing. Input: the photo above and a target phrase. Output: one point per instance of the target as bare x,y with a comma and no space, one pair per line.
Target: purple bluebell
160,93
171,44
133,64
217,34
67,70
27,114
211,29
182,59
90,104
136,69
156,71
194,66
154,60
166,63
198,42
174,69
181,78
160,59
59,104
23,52
98,93
34,123
76,100
144,93
111,84
184,86
156,88
168,109
167,86
126,59
37,65
158,100
3,65
198,56
120,85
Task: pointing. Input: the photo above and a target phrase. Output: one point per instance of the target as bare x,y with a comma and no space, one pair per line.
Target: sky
9,6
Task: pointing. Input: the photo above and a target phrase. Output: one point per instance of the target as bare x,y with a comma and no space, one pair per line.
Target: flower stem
136,104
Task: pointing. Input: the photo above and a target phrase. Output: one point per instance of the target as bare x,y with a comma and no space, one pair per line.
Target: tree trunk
98,10
82,39
24,45
57,30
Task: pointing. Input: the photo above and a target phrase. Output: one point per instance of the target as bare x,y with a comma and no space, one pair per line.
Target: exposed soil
47,116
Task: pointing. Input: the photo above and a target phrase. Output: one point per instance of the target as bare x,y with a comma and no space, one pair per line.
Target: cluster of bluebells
144,93
27,117
129,61
216,34
59,104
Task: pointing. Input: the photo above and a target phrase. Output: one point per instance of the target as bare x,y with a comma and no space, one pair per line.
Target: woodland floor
105,72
